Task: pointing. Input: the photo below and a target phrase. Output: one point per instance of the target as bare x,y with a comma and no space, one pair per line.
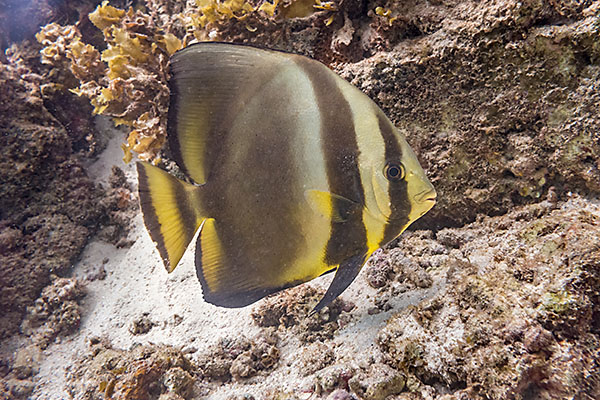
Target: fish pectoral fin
344,276
330,205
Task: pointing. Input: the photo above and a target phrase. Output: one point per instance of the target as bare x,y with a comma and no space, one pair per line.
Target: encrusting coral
514,304
144,372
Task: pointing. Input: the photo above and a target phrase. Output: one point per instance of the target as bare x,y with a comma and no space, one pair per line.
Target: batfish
292,173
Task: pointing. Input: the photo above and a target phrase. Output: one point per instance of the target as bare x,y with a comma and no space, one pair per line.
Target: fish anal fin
209,250
225,280
344,276
330,205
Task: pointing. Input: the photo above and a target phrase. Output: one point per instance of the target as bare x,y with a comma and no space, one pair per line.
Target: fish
291,173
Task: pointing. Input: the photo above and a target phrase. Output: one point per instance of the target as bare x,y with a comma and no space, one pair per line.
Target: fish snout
428,195
423,200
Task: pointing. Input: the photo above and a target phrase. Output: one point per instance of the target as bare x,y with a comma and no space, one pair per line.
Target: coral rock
379,382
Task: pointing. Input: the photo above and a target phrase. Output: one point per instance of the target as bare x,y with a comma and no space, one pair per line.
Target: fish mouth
426,196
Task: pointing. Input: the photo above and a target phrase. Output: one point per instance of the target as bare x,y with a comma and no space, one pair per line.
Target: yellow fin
226,278
329,205
171,210
210,84
210,254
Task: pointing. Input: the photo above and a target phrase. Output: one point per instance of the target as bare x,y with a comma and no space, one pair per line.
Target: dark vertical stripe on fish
397,191
340,148
255,218
172,135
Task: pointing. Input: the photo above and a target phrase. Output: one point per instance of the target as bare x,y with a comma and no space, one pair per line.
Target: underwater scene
299,199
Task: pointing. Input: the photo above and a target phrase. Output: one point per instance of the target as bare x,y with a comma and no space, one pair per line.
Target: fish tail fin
172,211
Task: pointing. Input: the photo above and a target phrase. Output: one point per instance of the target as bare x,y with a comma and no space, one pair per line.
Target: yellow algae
84,60
211,11
105,16
127,153
128,46
121,121
269,8
143,144
127,81
325,5
386,13
171,42
57,39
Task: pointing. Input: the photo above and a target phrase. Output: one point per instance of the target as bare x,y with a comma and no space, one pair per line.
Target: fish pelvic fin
171,209
344,276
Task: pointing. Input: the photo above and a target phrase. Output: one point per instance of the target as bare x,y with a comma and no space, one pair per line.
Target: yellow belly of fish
310,261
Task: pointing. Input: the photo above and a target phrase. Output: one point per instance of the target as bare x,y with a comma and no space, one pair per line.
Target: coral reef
514,304
290,310
127,81
500,101
315,357
239,357
47,203
49,208
120,206
379,382
56,312
143,372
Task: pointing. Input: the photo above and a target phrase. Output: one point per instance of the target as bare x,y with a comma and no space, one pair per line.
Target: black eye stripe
394,172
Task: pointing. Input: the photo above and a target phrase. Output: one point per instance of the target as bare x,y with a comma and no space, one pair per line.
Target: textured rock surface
48,206
521,292
142,373
500,101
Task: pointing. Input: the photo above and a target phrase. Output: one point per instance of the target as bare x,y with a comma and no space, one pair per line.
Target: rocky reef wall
499,99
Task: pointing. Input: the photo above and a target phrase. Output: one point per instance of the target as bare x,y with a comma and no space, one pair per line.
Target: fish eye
394,172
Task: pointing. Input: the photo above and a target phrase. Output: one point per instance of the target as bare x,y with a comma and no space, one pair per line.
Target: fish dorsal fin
209,85
331,206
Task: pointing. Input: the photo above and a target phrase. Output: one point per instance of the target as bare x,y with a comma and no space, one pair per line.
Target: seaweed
127,80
